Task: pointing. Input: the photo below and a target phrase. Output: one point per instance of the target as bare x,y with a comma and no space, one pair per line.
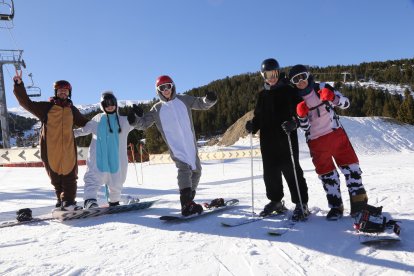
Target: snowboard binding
24,215
374,223
218,202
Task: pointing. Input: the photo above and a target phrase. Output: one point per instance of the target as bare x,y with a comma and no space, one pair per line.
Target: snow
138,243
83,108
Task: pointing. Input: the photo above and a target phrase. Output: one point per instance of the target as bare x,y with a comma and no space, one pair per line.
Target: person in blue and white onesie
107,161
172,116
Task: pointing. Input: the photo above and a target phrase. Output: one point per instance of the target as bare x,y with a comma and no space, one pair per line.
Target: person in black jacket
276,105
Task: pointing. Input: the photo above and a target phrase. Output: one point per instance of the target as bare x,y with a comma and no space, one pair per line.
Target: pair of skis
284,217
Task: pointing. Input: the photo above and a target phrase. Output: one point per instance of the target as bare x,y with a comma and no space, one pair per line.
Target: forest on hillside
237,95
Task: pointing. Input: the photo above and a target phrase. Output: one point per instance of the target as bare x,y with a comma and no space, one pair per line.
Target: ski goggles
299,77
268,75
165,86
108,102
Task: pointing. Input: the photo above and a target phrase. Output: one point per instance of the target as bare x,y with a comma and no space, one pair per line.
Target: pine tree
405,113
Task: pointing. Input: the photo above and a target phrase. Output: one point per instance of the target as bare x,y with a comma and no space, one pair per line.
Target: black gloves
249,126
136,110
289,126
211,96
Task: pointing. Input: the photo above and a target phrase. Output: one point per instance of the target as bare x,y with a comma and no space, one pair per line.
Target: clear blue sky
125,45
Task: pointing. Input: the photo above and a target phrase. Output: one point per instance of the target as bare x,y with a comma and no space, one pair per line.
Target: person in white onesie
172,116
107,161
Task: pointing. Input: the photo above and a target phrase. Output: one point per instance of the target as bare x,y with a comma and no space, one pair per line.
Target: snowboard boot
112,204
374,211
191,208
90,203
358,203
273,207
58,203
218,202
70,206
301,212
188,206
335,213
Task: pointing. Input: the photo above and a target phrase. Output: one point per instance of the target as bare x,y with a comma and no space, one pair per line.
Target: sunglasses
299,77
165,86
273,74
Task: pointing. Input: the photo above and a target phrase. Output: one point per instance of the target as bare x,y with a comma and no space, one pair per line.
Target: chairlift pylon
33,91
6,10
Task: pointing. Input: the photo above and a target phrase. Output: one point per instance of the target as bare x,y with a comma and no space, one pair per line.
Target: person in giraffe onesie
57,142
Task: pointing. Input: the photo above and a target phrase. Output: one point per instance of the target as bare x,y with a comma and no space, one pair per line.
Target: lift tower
7,57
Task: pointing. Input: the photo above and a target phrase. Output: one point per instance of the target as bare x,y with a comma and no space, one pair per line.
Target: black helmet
269,65
297,69
108,99
62,84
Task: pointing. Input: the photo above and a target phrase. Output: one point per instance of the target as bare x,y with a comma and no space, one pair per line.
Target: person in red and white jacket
328,141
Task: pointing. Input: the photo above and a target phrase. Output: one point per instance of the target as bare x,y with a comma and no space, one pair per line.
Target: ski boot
273,207
301,212
112,204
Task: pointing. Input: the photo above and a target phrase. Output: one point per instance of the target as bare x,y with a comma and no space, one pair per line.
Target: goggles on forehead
165,86
299,77
273,74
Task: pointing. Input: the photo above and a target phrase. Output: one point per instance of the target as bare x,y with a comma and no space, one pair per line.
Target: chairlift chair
33,91
6,10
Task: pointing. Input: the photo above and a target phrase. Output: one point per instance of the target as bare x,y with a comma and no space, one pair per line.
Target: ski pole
133,161
142,172
251,170
294,171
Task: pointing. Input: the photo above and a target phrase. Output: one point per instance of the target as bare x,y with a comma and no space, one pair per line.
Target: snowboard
95,212
179,218
32,221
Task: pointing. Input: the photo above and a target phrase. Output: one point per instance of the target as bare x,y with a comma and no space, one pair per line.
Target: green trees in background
237,95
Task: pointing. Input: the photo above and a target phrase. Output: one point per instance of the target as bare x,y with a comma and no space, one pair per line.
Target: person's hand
136,110
18,77
302,109
249,126
326,95
289,126
211,96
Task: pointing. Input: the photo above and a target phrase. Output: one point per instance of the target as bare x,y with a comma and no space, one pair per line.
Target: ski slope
138,243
